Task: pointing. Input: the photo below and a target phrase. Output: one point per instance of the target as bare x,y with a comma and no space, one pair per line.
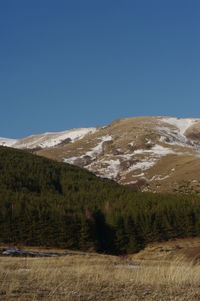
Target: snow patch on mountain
52,139
7,142
151,157
181,124
93,153
143,165
109,168
160,151
159,178
99,148
157,150
71,160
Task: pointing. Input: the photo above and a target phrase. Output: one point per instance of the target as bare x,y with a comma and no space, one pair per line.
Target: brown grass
97,277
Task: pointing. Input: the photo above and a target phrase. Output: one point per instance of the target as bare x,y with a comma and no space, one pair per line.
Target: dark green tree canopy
43,202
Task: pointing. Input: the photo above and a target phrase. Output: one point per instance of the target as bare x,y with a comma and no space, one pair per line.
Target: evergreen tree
121,238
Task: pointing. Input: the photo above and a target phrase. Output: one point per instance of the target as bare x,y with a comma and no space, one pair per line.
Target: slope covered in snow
182,124
7,142
47,140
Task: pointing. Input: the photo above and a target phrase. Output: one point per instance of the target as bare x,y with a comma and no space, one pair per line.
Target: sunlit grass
96,277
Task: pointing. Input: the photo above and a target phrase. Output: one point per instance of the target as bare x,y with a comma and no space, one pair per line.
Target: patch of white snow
113,168
98,149
51,139
7,142
70,160
181,123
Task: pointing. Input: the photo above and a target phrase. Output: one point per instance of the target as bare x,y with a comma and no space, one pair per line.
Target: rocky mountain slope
148,153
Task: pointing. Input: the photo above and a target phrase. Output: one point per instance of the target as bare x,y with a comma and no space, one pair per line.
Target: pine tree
121,239
87,235
134,240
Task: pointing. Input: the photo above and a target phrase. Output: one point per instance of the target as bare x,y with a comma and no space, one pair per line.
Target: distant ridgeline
43,202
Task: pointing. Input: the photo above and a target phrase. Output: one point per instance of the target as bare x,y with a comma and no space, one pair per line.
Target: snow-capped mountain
7,142
148,153
47,140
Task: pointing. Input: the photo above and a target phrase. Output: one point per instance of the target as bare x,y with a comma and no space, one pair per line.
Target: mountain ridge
149,153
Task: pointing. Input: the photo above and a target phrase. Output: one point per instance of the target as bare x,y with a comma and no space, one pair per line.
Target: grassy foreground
98,277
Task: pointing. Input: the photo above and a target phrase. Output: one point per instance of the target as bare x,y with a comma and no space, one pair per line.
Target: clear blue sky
80,63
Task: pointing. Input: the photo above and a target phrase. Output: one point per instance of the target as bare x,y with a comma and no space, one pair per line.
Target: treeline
43,202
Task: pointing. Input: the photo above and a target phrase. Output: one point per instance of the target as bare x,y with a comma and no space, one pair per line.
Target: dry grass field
100,277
